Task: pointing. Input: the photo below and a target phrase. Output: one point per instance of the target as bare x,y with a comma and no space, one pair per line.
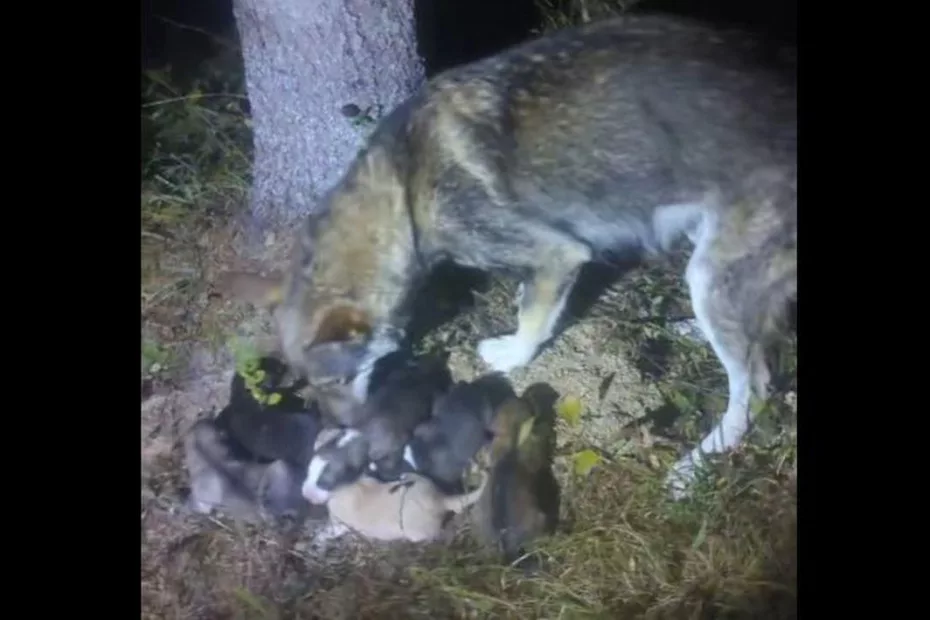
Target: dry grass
623,551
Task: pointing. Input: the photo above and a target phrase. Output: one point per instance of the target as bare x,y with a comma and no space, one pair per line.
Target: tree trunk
305,60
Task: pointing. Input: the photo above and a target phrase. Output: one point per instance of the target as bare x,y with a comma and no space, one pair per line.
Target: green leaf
526,429
583,462
274,399
569,409
252,601
681,402
701,536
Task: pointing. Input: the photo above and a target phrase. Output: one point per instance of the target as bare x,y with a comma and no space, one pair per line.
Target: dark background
183,32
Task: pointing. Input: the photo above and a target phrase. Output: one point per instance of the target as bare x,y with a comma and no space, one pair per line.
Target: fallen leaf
654,461
569,409
585,461
701,536
526,430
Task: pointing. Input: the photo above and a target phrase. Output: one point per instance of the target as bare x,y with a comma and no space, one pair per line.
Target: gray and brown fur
629,133
520,502
223,481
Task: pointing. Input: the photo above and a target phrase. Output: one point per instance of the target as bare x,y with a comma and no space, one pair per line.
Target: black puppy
443,447
285,430
402,402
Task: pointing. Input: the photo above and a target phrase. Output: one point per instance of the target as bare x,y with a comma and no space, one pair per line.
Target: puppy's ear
253,288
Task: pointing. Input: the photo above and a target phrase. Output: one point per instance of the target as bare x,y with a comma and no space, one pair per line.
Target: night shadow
593,282
653,356
456,32
661,420
446,293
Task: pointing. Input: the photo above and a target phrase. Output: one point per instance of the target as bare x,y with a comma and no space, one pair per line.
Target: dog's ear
342,323
339,344
253,288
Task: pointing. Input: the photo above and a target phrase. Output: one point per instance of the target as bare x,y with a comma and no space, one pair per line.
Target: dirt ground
210,567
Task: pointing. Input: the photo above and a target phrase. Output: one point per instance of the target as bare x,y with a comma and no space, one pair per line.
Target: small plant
248,366
155,358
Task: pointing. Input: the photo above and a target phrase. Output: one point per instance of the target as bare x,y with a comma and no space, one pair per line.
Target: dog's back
590,130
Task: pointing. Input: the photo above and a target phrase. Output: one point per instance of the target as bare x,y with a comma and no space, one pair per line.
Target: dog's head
341,458
326,337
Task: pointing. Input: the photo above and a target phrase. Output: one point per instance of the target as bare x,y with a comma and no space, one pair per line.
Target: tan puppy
412,508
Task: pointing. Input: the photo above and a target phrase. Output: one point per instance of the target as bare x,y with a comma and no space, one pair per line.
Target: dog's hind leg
739,279
541,300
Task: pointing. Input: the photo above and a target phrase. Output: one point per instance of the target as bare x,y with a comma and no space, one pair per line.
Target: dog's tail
458,503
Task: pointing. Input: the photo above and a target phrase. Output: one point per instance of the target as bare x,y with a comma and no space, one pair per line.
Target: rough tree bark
304,61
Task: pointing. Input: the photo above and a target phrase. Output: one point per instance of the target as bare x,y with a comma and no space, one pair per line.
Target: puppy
267,432
521,500
272,435
222,479
340,405
402,397
340,458
412,508
443,447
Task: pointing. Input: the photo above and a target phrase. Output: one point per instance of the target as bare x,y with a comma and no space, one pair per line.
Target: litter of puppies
395,473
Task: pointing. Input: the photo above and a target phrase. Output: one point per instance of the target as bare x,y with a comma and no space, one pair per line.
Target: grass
623,549
195,165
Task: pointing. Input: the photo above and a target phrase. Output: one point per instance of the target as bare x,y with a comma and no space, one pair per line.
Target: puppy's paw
506,353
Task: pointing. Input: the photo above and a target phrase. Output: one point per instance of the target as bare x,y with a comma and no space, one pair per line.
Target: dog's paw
681,477
505,353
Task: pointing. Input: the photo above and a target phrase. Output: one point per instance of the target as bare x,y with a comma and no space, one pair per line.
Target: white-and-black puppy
340,457
443,447
402,399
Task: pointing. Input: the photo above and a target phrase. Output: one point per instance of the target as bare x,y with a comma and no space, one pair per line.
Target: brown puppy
412,508
521,500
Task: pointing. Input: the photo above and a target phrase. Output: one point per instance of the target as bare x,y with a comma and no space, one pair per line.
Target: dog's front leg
541,301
